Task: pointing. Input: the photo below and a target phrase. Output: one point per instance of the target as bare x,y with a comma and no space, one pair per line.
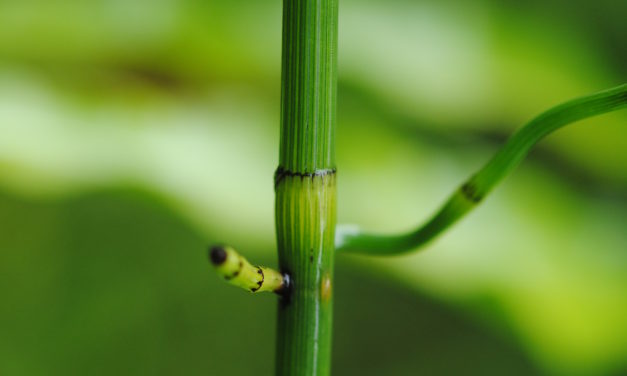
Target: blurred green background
133,134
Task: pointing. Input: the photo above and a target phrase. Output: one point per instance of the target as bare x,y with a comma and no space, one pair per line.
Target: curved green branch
464,199
234,268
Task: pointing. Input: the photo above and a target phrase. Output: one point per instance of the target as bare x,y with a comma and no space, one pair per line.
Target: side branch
239,272
350,239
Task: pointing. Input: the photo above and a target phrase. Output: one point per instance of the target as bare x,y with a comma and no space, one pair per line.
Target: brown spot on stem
326,288
469,191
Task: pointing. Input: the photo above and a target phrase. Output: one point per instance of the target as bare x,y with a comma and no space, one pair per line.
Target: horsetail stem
471,193
305,185
305,194
239,272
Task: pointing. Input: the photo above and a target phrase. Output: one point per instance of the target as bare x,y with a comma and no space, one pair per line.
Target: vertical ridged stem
305,186
306,229
309,85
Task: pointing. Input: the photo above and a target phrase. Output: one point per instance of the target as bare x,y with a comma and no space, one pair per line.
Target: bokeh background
135,133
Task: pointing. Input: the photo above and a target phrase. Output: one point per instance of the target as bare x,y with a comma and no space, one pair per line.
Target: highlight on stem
236,270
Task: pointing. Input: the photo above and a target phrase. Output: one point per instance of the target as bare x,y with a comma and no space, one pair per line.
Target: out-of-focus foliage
179,100
112,282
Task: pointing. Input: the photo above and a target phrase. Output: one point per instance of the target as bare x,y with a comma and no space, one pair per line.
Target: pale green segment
480,184
239,272
305,219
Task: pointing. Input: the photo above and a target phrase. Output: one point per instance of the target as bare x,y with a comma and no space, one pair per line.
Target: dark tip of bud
217,255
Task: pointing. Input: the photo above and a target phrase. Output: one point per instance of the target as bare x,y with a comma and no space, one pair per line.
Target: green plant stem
479,185
236,270
305,186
